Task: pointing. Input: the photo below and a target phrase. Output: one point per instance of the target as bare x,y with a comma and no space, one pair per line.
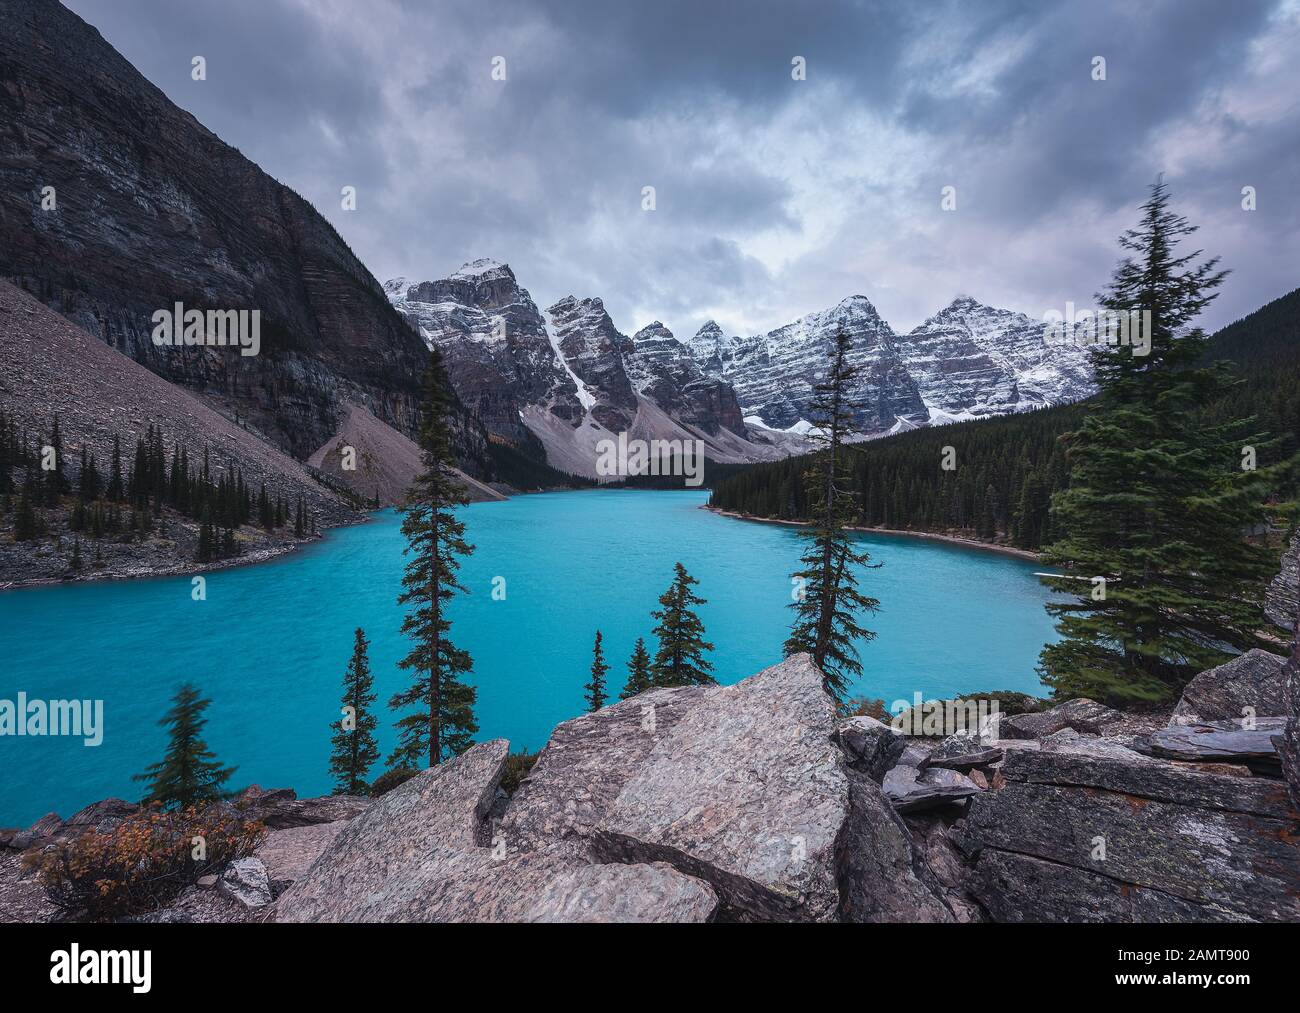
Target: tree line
128,498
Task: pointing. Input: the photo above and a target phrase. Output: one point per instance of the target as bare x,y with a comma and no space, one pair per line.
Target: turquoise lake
270,643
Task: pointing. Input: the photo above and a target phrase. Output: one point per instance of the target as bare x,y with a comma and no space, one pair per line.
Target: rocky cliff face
495,344
151,209
594,349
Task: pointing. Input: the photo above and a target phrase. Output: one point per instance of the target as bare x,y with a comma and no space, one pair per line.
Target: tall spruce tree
596,695
639,677
355,748
828,602
189,773
680,660
444,725
1158,503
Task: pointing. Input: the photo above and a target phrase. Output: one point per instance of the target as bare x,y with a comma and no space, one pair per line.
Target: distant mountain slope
152,208
53,367
384,463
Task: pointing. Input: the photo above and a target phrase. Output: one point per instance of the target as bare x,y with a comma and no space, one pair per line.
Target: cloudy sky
774,197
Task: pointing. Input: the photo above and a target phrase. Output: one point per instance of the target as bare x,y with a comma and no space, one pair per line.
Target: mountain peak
483,267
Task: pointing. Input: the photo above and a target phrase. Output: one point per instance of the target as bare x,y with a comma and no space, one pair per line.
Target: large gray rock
1216,741
748,792
246,882
870,745
961,752
1082,715
622,893
584,766
424,853
910,790
288,854
883,876
1252,680
378,867
1074,837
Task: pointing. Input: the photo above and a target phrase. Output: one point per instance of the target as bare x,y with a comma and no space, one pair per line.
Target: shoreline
969,543
185,568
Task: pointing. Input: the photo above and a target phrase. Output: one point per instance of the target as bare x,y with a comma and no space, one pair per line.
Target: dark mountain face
151,209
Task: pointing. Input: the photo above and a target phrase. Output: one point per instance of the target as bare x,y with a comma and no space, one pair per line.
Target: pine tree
639,678
189,773
56,480
829,602
26,523
116,491
1158,503
444,725
355,748
680,660
596,695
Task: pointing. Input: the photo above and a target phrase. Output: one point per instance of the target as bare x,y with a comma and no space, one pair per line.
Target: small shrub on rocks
143,862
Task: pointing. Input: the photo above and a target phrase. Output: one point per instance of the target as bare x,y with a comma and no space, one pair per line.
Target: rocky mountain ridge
534,376
561,383
967,361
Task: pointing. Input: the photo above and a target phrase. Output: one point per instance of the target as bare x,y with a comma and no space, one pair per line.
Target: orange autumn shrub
142,863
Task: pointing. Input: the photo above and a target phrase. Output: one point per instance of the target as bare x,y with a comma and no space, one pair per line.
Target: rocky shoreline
754,802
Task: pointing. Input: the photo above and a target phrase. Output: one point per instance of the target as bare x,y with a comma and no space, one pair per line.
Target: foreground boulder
1079,837
747,792
1082,715
584,766
871,746
373,869
1222,741
424,852
1253,680
750,793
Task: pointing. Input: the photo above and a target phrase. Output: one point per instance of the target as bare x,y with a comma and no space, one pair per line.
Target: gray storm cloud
774,197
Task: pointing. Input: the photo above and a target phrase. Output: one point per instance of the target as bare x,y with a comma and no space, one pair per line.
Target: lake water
271,642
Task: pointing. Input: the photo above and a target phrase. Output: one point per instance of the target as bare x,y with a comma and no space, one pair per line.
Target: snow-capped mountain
970,360
556,386
774,373
967,361
495,344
